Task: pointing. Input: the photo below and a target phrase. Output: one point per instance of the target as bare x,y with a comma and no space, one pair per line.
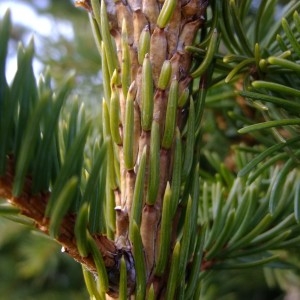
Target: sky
40,26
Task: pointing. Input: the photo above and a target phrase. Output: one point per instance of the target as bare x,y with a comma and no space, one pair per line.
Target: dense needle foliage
192,164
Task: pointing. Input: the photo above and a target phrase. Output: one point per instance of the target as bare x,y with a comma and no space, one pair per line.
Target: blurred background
63,42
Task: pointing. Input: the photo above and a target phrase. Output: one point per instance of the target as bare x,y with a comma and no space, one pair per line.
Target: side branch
34,206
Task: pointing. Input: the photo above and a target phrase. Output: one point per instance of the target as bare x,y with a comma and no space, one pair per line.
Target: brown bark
34,206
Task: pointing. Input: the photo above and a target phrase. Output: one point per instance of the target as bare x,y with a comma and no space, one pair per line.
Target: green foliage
34,126
49,143
240,208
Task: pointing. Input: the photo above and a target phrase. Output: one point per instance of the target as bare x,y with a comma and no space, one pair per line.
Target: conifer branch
34,206
172,217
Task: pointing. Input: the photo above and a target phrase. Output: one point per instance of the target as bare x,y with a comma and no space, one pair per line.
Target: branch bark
34,206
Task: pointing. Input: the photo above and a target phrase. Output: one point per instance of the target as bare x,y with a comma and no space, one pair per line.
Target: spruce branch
153,203
34,207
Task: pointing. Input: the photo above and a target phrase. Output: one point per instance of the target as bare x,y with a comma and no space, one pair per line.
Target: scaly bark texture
145,110
147,74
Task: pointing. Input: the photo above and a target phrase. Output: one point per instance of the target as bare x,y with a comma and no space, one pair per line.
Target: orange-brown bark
34,206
